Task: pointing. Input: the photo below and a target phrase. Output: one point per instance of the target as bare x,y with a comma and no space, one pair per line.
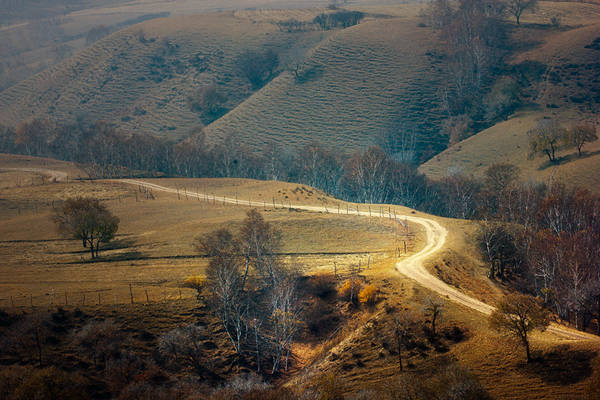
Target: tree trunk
527,349
38,342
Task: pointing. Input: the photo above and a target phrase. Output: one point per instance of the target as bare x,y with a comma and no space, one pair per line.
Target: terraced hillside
360,83
140,77
355,83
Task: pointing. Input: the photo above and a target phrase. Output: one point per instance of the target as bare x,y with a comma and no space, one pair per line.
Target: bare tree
545,138
517,316
402,323
185,345
518,7
28,335
285,320
579,135
101,340
433,310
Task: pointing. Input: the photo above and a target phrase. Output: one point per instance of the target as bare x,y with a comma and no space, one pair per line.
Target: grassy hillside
367,79
569,92
360,81
141,77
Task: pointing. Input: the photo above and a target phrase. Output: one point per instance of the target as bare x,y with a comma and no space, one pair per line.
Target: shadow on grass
567,159
562,365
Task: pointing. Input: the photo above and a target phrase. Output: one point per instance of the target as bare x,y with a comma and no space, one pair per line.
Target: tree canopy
88,220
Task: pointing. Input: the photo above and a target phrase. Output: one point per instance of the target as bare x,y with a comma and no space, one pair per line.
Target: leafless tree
87,220
185,345
284,320
433,310
402,324
579,135
545,138
517,316
518,7
28,335
101,340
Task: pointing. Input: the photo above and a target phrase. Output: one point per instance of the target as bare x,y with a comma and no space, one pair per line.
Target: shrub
340,19
100,340
368,295
50,383
208,101
349,290
258,67
196,282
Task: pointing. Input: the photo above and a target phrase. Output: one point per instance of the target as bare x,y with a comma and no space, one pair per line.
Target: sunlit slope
507,142
365,80
140,77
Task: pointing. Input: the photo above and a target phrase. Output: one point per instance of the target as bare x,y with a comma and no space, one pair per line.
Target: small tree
518,7
184,345
517,316
579,135
402,323
545,138
87,220
433,310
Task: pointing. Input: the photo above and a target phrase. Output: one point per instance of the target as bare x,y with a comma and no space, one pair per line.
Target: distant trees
548,136
258,67
341,19
88,220
96,33
517,316
518,7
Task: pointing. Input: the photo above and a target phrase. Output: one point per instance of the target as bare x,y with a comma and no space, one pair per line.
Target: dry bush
28,336
196,282
47,383
368,295
349,290
329,387
183,346
99,340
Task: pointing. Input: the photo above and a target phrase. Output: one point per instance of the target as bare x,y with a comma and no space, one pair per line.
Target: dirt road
412,266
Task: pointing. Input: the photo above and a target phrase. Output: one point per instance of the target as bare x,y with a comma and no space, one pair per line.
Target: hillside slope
569,92
140,77
368,79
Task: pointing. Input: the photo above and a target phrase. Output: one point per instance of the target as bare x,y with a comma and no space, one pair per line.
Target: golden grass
507,142
154,249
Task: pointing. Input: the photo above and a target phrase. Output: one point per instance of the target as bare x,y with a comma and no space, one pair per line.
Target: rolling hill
569,92
368,79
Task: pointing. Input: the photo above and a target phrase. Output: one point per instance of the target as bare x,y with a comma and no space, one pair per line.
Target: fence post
99,300
131,293
147,299
66,299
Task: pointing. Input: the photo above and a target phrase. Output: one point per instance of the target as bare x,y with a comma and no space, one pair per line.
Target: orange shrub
368,295
349,290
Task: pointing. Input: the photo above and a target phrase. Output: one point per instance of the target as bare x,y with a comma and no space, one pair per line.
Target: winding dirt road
412,266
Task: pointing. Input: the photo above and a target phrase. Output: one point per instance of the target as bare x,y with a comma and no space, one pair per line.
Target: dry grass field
155,248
